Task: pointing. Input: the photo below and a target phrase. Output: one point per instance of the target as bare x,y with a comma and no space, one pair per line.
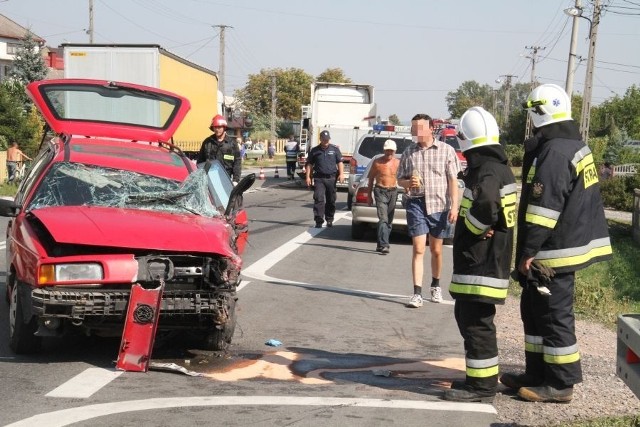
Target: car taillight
362,195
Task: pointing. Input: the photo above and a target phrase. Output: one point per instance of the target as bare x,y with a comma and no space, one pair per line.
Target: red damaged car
109,202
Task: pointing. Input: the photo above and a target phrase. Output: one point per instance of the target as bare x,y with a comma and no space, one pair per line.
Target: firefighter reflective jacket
561,218
481,264
227,152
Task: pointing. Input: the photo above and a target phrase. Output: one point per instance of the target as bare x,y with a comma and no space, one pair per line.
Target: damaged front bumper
91,305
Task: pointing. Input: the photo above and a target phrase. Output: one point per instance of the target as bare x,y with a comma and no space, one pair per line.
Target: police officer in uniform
482,248
561,229
223,148
325,161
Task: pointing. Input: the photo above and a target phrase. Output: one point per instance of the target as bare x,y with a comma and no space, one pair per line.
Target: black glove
541,273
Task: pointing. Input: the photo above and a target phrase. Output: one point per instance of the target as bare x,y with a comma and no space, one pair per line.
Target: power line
135,23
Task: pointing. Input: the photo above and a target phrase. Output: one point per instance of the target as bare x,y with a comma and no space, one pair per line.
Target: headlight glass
75,272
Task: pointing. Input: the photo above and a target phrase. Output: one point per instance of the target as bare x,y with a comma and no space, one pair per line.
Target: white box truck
346,110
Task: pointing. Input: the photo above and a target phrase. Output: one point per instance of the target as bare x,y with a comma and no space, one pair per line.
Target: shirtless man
14,156
383,172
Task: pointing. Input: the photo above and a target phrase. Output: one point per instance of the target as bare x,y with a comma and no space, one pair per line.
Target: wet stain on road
315,367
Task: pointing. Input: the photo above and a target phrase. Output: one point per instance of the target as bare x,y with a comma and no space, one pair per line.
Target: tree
394,120
28,66
292,91
333,75
17,123
625,111
469,94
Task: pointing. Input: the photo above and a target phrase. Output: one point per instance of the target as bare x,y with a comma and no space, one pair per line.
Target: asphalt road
351,352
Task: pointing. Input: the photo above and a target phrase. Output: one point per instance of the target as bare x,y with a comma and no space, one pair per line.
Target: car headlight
70,272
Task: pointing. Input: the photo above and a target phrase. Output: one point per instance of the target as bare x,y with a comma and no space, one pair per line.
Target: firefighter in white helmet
561,229
221,147
482,248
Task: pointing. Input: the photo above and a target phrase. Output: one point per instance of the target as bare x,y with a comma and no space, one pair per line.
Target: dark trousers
386,206
475,322
291,168
12,167
324,199
551,351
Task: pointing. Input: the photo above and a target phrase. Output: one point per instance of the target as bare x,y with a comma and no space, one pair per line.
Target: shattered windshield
77,184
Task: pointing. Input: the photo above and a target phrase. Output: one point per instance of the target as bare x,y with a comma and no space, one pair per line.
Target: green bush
514,154
617,192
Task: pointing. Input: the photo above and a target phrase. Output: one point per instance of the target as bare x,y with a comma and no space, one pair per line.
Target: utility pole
90,22
221,57
273,108
506,108
534,54
572,51
588,81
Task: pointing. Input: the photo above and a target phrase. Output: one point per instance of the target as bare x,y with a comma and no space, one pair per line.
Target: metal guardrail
628,351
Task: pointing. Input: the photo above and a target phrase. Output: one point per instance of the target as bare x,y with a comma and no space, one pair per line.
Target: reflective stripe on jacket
481,266
561,218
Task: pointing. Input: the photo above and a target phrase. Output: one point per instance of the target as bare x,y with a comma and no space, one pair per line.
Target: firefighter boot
516,381
468,394
546,393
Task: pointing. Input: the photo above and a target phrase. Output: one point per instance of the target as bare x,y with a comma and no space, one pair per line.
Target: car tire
21,335
358,230
220,339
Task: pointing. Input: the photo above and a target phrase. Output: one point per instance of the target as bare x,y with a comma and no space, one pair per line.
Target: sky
412,51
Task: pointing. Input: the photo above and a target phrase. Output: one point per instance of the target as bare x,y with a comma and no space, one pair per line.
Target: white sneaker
436,294
415,301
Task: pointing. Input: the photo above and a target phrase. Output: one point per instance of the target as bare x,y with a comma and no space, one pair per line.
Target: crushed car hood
136,229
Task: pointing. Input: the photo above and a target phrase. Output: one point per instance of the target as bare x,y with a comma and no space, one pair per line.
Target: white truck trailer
346,110
151,65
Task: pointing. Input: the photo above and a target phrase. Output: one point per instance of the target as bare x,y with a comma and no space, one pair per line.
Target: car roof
108,109
145,158
372,143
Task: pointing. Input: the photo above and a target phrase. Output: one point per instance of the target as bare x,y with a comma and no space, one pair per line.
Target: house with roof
11,37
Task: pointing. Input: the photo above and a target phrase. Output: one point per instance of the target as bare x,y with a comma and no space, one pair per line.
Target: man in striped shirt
429,173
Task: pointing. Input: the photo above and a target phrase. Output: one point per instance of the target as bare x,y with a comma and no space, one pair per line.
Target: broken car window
77,184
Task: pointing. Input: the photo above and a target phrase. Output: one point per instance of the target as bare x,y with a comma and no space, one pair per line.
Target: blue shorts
420,224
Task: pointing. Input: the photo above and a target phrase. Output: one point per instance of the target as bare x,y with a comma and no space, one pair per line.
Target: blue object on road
273,343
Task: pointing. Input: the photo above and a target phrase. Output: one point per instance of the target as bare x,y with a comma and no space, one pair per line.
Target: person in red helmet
222,148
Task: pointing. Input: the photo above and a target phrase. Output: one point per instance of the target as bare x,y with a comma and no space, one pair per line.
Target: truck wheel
21,335
357,230
220,339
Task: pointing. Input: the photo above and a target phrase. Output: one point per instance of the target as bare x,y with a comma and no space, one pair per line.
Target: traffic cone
276,175
261,176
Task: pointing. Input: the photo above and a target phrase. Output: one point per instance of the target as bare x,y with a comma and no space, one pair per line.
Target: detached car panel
108,205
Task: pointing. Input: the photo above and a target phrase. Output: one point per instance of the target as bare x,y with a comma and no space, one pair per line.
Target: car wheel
21,335
220,339
357,230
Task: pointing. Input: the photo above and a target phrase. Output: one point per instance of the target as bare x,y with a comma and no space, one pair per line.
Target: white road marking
258,269
85,383
69,416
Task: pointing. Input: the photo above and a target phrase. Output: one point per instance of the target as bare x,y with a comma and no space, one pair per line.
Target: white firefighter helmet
478,128
548,103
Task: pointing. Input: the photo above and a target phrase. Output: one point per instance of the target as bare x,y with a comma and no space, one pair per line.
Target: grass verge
607,289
